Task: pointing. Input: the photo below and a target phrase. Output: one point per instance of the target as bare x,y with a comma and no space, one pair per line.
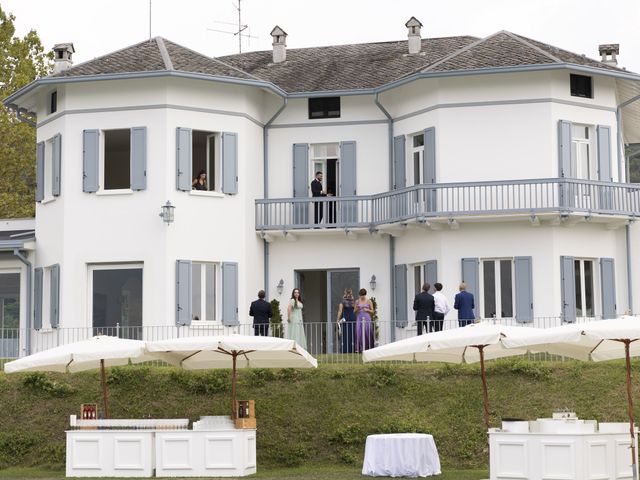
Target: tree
22,60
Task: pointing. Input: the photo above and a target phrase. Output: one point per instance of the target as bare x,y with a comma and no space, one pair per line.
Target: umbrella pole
234,356
485,394
630,399
105,398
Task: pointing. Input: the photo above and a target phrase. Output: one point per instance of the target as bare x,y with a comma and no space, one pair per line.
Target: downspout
628,226
392,243
265,188
27,337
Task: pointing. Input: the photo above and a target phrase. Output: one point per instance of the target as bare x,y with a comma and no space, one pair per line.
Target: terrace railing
451,200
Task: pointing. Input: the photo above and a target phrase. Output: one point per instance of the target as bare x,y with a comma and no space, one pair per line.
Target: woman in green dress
294,317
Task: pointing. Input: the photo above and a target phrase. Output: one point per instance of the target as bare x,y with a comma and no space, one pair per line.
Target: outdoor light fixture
372,282
167,213
280,287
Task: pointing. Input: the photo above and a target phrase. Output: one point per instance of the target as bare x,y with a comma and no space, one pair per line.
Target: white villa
502,162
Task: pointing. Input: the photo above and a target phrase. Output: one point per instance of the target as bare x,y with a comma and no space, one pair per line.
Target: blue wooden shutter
348,210
183,292
568,288
301,181
90,155
471,276
183,159
54,284
56,165
431,273
524,289
400,295
37,298
564,149
608,287
138,158
429,167
40,172
604,153
229,162
399,162
230,294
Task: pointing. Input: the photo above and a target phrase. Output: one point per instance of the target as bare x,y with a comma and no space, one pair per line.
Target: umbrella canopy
96,352
597,341
470,344
232,351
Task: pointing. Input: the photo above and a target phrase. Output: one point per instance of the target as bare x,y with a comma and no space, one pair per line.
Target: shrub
257,377
519,366
275,322
212,381
14,447
383,376
128,377
290,455
39,382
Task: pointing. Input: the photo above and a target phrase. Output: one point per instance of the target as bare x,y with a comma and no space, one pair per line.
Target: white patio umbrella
97,352
597,341
232,351
473,343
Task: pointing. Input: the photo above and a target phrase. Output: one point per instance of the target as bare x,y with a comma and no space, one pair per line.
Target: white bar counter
166,448
555,449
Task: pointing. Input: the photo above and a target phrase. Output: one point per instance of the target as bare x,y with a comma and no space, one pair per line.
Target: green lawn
297,473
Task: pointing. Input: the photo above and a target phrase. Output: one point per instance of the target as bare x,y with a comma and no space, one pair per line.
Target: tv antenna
241,27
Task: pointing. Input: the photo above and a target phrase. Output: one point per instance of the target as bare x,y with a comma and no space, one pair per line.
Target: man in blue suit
464,304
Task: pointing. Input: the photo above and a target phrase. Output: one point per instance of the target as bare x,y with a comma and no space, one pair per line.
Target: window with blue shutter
54,297
183,159
608,287
348,210
139,158
399,162
568,288
429,167
37,297
183,292
524,289
471,276
40,171
431,273
56,165
90,156
400,295
603,134
301,182
230,294
229,162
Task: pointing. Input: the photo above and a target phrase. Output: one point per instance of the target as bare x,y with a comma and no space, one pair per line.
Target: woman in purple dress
364,325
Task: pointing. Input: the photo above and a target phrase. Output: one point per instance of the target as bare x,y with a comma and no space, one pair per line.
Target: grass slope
315,417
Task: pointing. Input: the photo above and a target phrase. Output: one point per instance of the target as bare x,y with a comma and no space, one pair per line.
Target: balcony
557,200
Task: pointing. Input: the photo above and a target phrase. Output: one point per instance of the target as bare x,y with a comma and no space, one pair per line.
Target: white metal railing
450,200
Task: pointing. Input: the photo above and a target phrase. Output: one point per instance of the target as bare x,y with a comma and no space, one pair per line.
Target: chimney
413,31
608,53
279,44
62,53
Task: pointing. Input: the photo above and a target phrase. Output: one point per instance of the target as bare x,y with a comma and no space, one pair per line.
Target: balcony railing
451,200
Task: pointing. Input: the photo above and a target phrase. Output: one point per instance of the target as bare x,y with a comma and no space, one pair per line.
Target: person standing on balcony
464,304
261,312
441,309
424,305
316,191
294,317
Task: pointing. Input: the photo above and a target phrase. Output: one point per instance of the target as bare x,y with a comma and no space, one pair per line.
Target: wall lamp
167,213
280,287
372,282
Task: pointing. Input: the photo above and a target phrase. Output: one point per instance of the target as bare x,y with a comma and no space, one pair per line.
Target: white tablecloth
401,455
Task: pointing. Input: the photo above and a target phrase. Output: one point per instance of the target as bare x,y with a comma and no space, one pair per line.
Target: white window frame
216,191
577,162
412,160
101,165
91,267
318,163
582,287
498,284
217,294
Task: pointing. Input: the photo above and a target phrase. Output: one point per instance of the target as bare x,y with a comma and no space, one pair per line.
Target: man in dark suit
261,312
464,304
424,306
316,191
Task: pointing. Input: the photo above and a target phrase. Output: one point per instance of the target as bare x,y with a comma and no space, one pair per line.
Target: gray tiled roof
341,67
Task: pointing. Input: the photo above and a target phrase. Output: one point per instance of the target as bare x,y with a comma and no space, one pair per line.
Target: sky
97,27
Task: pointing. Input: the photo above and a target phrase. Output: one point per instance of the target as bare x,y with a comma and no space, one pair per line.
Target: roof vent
413,31
279,44
62,54
609,52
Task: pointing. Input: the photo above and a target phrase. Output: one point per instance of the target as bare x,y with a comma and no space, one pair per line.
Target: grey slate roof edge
531,45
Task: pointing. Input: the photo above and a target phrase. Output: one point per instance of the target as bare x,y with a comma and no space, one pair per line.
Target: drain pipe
27,337
265,188
629,276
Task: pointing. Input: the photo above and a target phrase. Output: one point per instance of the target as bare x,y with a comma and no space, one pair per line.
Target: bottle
246,411
240,410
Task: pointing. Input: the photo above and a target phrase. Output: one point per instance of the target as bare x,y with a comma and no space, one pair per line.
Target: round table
401,455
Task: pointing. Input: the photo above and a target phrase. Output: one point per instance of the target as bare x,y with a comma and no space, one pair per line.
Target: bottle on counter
240,410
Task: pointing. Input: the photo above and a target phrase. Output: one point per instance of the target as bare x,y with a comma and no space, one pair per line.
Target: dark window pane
416,168
117,159
417,278
506,288
578,283
418,141
489,291
196,291
9,301
325,107
588,288
203,158
117,302
210,281
581,86
53,107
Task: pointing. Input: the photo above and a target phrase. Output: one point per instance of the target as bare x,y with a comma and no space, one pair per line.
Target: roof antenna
149,20
239,31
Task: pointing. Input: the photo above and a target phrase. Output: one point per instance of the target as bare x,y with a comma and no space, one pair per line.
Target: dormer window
53,102
324,107
581,86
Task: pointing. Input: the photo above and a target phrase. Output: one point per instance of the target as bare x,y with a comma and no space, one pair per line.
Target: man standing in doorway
423,305
316,191
441,307
464,304
261,312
